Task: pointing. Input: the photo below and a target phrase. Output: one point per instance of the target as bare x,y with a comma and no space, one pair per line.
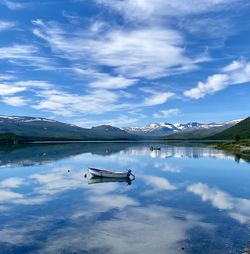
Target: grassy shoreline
241,149
242,146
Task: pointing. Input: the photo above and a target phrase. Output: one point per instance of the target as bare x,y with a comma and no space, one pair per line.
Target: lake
184,199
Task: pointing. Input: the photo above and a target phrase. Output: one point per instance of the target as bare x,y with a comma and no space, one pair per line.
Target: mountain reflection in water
36,154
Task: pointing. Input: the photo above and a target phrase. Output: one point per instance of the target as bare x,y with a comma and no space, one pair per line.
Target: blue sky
125,62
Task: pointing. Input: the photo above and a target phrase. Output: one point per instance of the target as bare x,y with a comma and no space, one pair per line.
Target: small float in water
110,174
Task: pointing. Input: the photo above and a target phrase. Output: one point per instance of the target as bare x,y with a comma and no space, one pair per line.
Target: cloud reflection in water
52,209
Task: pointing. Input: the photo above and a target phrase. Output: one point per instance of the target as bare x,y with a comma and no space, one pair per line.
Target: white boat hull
104,173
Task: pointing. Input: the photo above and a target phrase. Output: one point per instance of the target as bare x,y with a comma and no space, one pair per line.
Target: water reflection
172,207
238,208
30,155
179,152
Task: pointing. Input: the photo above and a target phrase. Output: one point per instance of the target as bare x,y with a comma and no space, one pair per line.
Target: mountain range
34,128
179,129
40,129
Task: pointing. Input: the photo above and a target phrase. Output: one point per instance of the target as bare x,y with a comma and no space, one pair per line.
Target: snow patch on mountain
25,119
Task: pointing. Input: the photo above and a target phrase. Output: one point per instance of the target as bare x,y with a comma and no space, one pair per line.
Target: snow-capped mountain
43,128
162,129
154,129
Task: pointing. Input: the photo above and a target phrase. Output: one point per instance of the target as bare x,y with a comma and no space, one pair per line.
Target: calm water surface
185,199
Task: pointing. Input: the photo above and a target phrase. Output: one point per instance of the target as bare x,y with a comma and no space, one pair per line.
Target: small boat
108,173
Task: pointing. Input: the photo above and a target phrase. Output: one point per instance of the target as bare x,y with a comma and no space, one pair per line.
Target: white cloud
101,80
156,225
4,77
17,51
9,90
103,203
12,5
34,84
167,113
15,101
62,103
158,98
12,87
6,25
128,225
25,55
9,196
94,102
237,72
155,9
239,209
235,65
121,120
146,53
182,14
218,198
214,84
166,167
12,182
72,18
241,74
157,184
211,27
155,98
54,182
113,83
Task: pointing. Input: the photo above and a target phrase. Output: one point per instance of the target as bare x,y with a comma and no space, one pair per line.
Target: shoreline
240,147
124,141
23,142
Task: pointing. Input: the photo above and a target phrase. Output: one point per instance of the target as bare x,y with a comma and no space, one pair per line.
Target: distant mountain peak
166,128
106,127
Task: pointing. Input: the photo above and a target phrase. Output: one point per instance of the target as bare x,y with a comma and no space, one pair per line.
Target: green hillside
242,129
10,139
42,129
46,129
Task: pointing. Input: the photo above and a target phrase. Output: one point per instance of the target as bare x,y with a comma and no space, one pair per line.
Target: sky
125,62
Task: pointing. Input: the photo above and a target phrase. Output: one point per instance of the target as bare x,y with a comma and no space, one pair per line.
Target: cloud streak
67,104
28,55
15,101
12,5
136,53
155,9
6,25
167,113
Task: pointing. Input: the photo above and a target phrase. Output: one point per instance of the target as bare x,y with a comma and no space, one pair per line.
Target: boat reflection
96,179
